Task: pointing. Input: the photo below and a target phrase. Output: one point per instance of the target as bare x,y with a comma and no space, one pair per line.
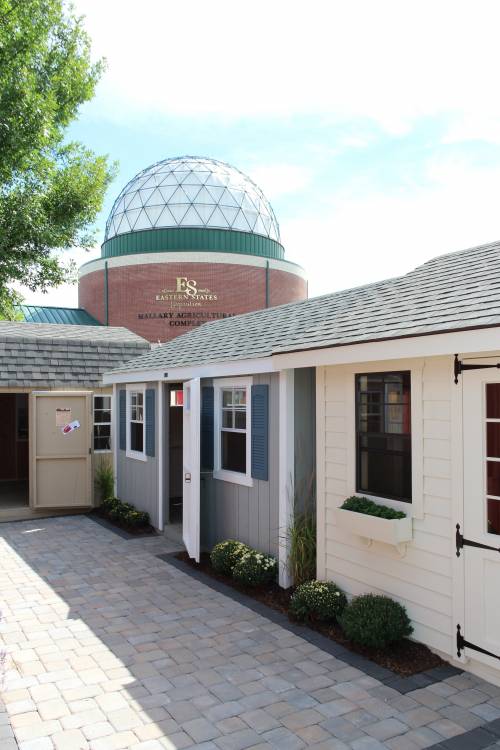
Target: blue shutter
123,419
150,421
207,427
260,432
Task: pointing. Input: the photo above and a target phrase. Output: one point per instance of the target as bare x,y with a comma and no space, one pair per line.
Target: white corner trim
286,472
320,474
115,437
160,422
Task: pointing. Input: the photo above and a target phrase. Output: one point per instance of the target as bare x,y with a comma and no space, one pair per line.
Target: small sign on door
63,416
70,427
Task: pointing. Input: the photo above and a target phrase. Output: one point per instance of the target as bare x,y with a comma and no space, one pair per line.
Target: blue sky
373,128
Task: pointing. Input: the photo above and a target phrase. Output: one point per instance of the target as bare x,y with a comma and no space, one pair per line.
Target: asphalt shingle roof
51,314
61,356
455,291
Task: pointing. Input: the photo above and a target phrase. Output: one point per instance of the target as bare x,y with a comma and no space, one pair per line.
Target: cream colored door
480,535
61,462
191,469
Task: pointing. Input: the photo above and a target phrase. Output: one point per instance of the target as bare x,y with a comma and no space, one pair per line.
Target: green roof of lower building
74,316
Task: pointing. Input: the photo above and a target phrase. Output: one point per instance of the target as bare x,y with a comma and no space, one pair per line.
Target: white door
191,468
481,529
61,459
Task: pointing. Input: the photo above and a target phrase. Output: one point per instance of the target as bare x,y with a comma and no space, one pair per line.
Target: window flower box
393,531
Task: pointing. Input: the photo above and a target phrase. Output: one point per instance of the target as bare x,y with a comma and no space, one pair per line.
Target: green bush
318,600
105,479
363,505
125,513
375,621
255,569
108,504
136,518
225,555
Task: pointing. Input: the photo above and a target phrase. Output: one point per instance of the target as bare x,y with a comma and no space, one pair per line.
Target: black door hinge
462,643
461,542
459,367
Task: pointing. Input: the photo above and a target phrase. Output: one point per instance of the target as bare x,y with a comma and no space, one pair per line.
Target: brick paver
110,648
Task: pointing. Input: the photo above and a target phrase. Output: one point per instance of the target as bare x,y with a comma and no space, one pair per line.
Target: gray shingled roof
452,292
60,356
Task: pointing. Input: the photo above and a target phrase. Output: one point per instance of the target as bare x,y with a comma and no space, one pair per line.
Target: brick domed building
188,240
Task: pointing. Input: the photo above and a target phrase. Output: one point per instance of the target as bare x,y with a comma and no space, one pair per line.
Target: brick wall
134,294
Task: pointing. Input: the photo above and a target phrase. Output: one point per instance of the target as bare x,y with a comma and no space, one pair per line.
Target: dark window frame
406,436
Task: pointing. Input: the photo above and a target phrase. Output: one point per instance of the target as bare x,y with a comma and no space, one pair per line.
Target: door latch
187,477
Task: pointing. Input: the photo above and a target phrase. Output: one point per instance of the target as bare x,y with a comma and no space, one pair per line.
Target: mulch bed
133,530
406,658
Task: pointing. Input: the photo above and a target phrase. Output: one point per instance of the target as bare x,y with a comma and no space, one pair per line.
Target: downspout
267,283
106,297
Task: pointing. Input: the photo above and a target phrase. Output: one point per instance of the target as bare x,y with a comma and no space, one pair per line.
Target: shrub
255,569
225,555
124,512
108,504
363,505
105,479
136,518
318,600
375,621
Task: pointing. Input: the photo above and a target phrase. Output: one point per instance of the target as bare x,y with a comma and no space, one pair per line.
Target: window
135,422
493,458
233,430
177,397
232,425
102,423
383,435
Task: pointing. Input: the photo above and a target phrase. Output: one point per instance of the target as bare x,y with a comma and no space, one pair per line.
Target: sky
372,127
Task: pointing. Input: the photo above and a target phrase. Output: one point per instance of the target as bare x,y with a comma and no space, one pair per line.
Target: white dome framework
191,191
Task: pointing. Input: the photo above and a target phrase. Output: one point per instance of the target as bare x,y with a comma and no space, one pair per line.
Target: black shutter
260,432
123,419
207,427
150,421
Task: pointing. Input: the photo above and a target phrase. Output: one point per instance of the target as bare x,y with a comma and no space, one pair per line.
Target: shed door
191,469
481,531
61,463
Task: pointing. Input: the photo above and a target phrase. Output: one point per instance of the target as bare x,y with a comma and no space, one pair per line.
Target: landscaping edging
402,684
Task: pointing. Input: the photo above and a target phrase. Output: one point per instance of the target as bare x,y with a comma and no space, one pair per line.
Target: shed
50,376
394,389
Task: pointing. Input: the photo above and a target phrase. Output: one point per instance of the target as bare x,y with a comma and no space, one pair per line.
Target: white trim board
475,343
192,256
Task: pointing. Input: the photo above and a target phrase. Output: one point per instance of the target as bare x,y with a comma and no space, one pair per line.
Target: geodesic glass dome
192,191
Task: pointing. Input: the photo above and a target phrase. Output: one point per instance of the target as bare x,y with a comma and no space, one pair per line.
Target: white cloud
372,236
388,61
276,180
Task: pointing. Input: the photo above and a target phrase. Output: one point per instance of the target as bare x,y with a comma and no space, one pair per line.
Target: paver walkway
110,647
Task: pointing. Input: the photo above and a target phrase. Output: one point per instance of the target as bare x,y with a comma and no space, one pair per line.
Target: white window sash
225,475
136,388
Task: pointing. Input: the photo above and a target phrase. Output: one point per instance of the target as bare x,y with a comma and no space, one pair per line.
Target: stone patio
109,647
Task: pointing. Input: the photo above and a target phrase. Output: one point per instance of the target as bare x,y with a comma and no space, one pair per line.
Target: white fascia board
178,374
478,342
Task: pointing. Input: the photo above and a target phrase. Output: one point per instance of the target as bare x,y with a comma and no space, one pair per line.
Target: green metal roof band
181,239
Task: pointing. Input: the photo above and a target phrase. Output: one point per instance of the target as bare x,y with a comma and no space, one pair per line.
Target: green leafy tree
50,189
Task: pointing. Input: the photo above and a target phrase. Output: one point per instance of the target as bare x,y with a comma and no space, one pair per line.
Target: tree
50,190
